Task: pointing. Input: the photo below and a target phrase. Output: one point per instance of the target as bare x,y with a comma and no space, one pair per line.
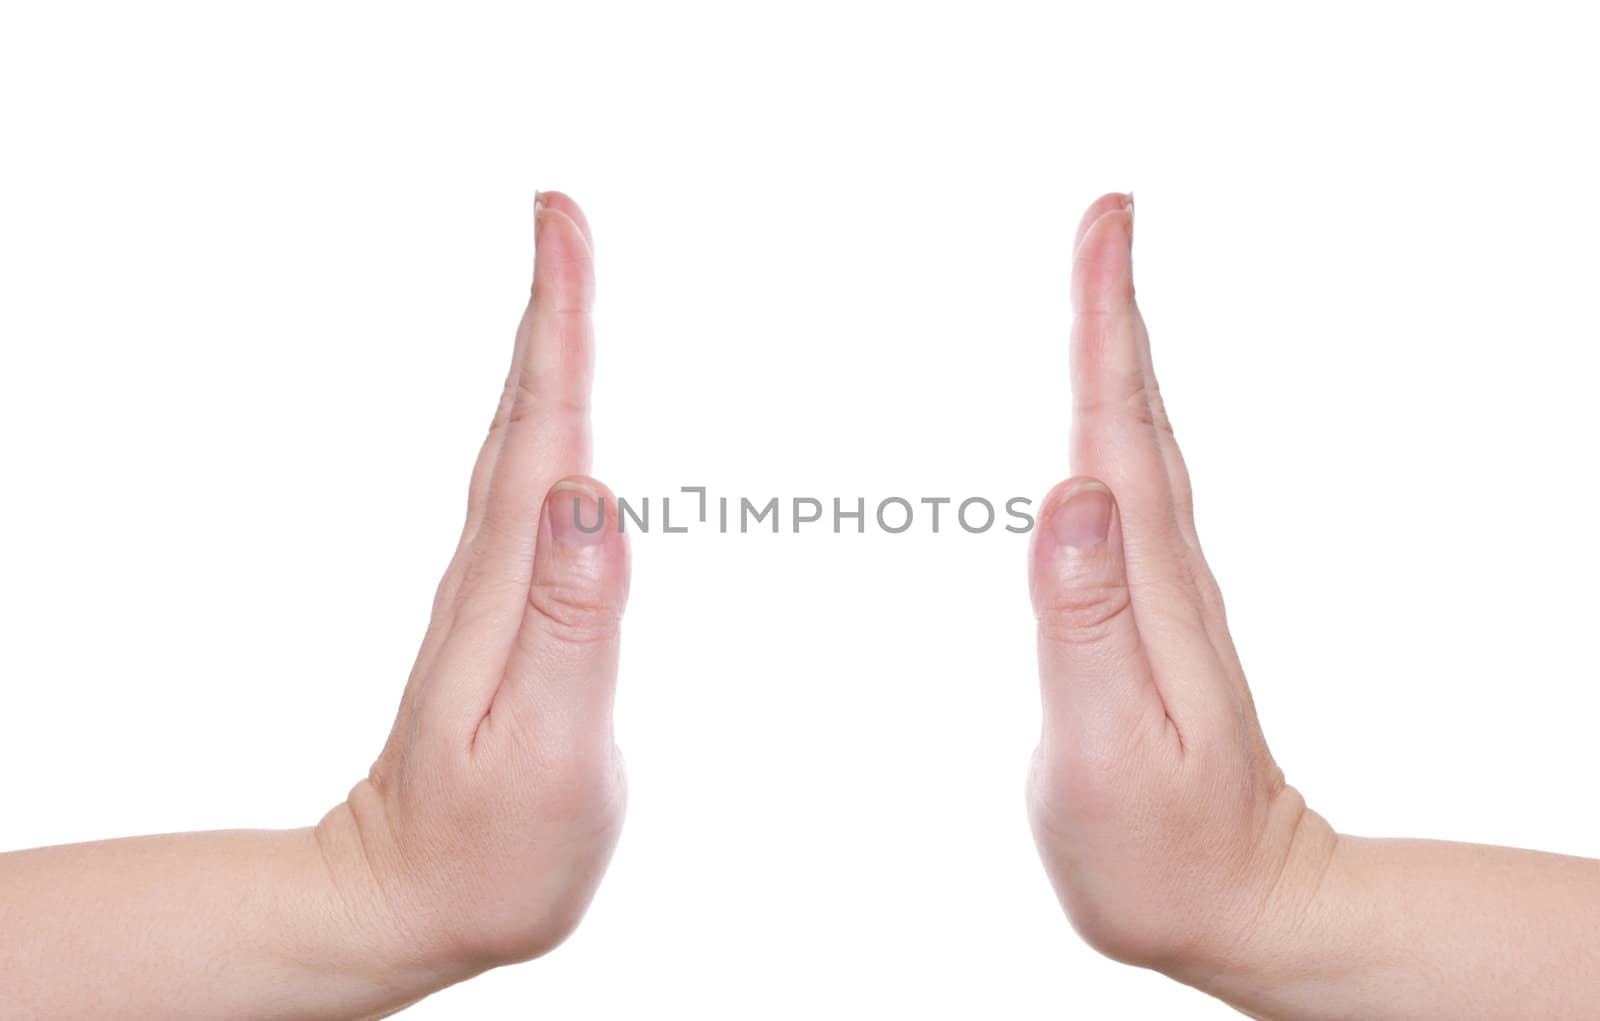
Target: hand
486,822
1164,824
485,825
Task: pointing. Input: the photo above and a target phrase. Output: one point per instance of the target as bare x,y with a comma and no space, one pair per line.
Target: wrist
1286,935
388,942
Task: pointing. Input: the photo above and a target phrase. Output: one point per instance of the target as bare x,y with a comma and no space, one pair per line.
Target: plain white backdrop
259,273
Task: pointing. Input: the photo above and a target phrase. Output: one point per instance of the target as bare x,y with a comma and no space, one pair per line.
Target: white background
259,273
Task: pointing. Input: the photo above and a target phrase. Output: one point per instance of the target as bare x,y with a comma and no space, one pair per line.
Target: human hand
1163,822
486,822
484,826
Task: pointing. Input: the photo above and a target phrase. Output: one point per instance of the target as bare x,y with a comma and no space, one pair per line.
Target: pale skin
484,826
488,818
1168,831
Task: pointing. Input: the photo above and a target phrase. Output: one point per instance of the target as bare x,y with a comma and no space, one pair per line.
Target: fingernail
1083,517
577,515
538,214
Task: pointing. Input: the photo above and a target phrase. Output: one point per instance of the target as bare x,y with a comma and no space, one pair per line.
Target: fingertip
563,268
1057,500
1102,267
1078,535
563,203
1080,514
1106,203
556,232
581,511
583,521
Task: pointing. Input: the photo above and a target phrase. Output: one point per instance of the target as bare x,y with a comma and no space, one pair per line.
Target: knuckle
1087,613
1139,405
574,611
498,553
444,597
1211,596
534,400
1183,502
1157,409
502,410
1132,401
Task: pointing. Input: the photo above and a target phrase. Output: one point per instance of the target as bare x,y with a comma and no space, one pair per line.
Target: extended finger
544,435
1115,438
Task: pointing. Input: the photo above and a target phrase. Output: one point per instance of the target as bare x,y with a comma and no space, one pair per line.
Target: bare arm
1421,928
204,925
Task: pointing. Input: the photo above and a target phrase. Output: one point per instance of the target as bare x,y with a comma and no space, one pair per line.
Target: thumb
561,676
1094,677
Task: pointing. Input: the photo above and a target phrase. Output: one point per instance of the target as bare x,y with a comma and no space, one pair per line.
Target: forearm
1392,930
247,924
